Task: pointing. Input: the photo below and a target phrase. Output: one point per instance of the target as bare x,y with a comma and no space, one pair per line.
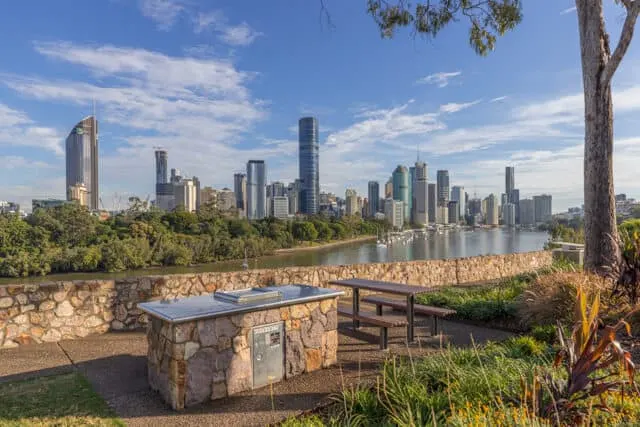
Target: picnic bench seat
384,322
434,312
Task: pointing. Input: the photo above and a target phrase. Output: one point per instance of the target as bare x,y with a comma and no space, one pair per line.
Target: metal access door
268,354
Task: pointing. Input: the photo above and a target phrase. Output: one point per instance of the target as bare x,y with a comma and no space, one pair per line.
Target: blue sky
217,83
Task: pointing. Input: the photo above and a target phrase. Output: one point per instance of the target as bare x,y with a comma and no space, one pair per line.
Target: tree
491,18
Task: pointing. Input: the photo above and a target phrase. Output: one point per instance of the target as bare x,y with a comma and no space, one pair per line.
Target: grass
61,400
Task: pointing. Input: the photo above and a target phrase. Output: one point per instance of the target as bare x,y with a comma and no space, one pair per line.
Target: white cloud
568,10
441,79
239,35
163,12
454,107
17,129
498,99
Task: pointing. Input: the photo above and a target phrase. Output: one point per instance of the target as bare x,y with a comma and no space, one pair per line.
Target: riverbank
326,245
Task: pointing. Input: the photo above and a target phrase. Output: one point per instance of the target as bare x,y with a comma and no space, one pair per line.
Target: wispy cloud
441,79
454,107
568,10
17,129
498,99
163,12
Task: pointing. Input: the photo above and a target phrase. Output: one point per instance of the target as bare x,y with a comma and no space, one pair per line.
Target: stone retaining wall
49,312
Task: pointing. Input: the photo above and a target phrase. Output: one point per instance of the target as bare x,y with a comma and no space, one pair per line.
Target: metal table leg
410,303
356,307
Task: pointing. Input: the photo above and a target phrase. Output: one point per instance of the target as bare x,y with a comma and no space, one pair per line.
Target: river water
432,245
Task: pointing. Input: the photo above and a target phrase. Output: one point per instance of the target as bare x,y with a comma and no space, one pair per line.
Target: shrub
544,333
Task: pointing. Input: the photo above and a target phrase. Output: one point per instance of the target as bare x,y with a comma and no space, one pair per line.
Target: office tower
475,207
82,159
308,165
225,200
504,199
442,214
509,214
374,197
412,201
162,171
394,213
421,194
443,187
454,212
186,195
432,202
457,195
276,189
164,189
293,193
256,191
78,193
196,184
388,189
280,207
209,196
509,181
491,210
351,200
401,189
466,202
240,191
542,207
527,212
515,199
175,176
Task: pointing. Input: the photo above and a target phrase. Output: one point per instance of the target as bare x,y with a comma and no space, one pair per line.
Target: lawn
61,400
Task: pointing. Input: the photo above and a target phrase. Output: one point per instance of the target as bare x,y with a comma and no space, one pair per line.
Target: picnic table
409,291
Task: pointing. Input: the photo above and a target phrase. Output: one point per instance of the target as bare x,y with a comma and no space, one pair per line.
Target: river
432,245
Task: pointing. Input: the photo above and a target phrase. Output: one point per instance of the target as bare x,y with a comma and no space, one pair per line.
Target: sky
217,83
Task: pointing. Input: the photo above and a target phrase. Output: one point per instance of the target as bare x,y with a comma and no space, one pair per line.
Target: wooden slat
378,286
417,308
386,321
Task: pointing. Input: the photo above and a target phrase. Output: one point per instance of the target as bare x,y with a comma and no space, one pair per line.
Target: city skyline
216,93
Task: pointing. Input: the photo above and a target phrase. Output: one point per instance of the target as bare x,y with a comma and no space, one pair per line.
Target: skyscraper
82,159
443,187
421,194
492,210
388,189
527,212
401,189
240,191
412,197
164,189
351,201
515,199
509,214
373,197
186,195
542,207
509,181
256,191
458,195
196,184
432,202
308,165
454,211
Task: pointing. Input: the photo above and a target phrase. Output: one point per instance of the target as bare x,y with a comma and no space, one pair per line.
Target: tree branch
633,8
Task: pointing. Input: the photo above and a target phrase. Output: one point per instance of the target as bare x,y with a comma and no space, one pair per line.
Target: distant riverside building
432,202
164,188
208,195
509,182
388,189
527,212
186,195
509,214
515,199
7,207
454,216
442,215
293,194
475,207
401,189
458,195
240,191
47,203
196,184
421,194
394,213
442,180
491,215
81,149
373,198
412,182
351,200
280,207
309,169
226,200
78,193
256,191
542,206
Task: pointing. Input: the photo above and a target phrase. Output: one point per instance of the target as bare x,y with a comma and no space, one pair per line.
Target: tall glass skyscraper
420,194
509,181
164,189
82,159
442,178
309,169
256,190
374,197
401,189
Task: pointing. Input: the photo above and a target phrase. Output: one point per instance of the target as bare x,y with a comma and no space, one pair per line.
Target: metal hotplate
209,306
244,296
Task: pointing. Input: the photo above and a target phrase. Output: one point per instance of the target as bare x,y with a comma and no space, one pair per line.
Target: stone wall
48,312
193,362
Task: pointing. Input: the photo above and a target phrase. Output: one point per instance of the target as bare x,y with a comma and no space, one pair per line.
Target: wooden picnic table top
387,287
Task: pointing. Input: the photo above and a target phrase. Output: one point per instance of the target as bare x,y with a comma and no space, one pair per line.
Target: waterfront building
432,202
293,194
475,207
401,189
164,189
196,184
394,213
527,212
457,195
442,179
256,191
442,214
509,214
454,212
351,202
388,189
240,191
412,201
186,195
492,208
280,207
226,200
515,199
309,169
78,193
542,207
81,152
374,198
421,194
509,182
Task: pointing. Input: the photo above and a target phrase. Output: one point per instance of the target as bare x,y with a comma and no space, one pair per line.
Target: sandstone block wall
34,313
193,362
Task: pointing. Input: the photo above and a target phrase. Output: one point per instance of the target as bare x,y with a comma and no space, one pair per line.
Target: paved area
115,363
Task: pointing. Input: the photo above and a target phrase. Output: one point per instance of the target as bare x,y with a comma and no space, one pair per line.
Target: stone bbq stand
208,347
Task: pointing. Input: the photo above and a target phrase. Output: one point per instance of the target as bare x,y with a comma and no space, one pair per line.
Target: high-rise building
412,197
240,191
457,195
442,178
162,171
351,199
527,212
374,197
421,194
82,159
186,195
280,207
442,214
509,181
78,193
225,200
542,207
401,189
394,213
256,191
515,199
309,165
164,188
196,184
475,207
293,194
454,211
491,210
432,196
509,214
388,189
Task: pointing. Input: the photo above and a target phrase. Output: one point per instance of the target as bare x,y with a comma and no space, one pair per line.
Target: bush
545,333
120,255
